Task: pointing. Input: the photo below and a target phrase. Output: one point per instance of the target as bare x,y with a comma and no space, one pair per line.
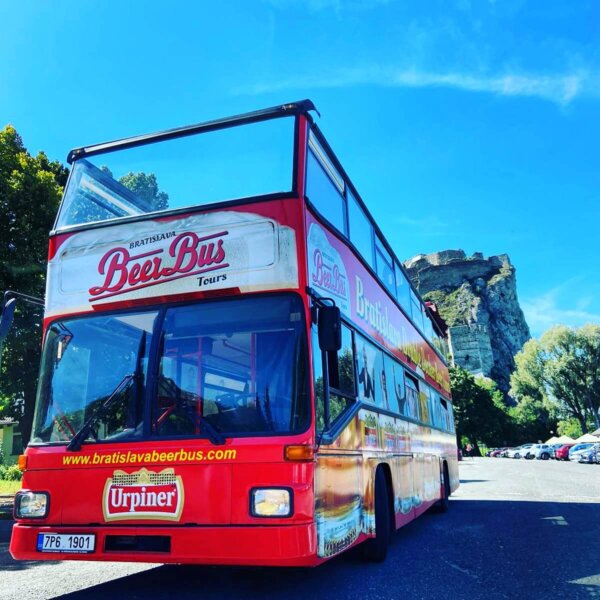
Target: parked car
554,448
589,455
518,452
563,452
498,452
575,450
539,451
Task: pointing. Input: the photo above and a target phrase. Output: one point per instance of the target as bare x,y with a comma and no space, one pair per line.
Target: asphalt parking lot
515,529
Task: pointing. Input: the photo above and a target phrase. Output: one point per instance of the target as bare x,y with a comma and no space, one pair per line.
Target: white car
539,451
519,451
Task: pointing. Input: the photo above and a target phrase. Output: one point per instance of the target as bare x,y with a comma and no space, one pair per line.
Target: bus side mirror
8,312
6,319
330,328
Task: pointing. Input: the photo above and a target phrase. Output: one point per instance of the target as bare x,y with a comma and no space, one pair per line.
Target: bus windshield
239,365
240,162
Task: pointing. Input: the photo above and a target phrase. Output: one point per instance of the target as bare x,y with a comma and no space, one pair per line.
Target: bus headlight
271,502
32,505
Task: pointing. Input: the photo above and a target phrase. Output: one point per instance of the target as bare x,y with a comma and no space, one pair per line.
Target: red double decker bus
235,368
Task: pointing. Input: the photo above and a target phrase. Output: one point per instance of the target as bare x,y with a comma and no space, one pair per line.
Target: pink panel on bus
334,272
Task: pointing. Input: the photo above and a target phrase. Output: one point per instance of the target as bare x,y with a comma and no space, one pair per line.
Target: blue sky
466,124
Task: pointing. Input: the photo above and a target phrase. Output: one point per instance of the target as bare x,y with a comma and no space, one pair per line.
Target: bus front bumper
292,545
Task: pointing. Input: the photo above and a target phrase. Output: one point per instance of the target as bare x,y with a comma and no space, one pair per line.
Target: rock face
477,297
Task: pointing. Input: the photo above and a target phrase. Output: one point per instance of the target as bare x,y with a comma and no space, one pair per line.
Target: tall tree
30,192
479,412
563,366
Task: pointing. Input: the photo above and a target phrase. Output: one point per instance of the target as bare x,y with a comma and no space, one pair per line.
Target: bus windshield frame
183,367
259,160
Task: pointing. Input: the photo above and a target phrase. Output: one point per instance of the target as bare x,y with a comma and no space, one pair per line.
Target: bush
12,473
3,471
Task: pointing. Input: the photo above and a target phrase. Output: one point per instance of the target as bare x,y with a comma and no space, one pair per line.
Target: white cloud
558,88
545,311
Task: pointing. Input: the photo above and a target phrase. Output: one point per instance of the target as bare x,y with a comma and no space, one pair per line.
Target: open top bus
235,369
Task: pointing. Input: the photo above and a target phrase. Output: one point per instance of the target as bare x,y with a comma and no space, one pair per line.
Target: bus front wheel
375,549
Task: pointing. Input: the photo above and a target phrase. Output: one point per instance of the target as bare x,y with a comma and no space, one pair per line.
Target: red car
562,453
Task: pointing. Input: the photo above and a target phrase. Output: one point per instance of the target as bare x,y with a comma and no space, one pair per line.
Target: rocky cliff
477,297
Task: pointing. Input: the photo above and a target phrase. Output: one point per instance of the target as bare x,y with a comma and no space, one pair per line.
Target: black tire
443,503
375,549
545,456
517,455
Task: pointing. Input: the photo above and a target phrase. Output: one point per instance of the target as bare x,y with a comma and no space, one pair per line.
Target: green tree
30,192
562,367
145,186
479,412
570,427
533,419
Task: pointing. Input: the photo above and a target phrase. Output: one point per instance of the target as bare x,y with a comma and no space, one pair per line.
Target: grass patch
9,487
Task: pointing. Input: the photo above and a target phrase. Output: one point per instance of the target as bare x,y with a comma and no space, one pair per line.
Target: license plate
78,543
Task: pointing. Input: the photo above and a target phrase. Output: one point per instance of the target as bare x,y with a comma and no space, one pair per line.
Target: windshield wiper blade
81,435
216,437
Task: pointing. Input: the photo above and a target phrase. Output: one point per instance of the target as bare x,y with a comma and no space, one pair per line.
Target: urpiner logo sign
187,255
143,494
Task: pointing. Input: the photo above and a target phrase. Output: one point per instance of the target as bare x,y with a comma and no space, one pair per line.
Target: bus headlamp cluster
271,502
32,505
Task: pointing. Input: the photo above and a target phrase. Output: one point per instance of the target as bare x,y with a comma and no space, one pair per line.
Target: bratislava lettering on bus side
378,319
373,314
192,254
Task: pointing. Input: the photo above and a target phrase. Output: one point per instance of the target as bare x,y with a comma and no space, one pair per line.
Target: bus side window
402,289
450,418
368,369
340,371
341,365
445,414
424,404
317,362
412,397
385,266
361,230
391,394
325,187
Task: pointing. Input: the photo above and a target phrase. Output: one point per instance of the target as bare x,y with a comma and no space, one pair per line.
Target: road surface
515,529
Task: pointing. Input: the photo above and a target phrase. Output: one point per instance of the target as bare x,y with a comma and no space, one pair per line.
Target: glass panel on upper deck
239,162
361,230
385,265
325,186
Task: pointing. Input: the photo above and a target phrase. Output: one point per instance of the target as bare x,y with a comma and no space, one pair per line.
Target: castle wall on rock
471,348
477,297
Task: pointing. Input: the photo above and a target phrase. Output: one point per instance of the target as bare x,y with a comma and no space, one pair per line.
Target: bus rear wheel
375,549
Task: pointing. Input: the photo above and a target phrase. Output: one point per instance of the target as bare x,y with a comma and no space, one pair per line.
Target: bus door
339,473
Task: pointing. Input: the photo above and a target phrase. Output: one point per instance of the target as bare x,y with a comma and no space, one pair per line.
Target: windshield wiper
81,435
216,437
